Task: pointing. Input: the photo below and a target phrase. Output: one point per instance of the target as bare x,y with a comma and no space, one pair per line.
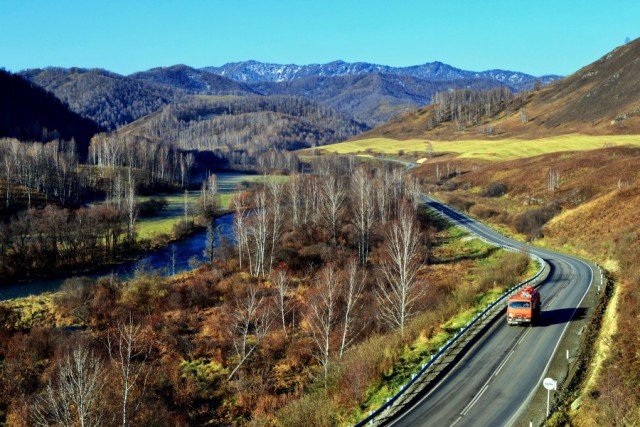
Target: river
162,259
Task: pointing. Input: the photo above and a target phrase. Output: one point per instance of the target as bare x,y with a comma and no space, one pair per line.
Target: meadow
228,185
491,150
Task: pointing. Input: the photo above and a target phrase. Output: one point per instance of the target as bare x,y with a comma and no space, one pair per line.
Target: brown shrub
531,222
505,273
496,189
460,203
316,409
482,211
182,228
75,298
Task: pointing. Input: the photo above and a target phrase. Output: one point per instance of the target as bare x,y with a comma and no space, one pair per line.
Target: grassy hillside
602,98
592,211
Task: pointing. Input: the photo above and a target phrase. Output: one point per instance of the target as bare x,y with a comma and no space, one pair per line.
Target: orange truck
524,307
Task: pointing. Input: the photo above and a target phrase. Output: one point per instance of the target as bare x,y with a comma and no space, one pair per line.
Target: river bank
172,256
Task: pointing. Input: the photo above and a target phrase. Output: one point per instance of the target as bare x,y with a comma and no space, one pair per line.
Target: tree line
275,122
48,171
468,107
45,240
319,263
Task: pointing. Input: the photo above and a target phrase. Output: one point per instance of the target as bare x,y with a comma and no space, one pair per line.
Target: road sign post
549,384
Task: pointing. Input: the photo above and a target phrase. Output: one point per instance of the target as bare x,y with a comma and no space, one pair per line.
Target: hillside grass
37,311
597,219
492,150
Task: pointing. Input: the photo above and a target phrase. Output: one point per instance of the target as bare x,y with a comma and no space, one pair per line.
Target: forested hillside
108,98
259,123
372,98
193,81
365,92
29,113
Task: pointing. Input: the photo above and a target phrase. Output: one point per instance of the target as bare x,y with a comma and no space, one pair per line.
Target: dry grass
599,197
599,194
491,150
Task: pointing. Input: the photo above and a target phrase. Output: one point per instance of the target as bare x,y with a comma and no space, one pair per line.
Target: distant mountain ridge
602,98
193,81
369,93
370,98
257,72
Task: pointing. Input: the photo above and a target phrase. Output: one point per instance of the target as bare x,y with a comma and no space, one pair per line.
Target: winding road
497,379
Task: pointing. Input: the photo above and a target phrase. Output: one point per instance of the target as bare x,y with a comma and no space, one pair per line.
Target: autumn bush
482,211
152,207
75,297
531,222
505,273
496,189
182,228
460,203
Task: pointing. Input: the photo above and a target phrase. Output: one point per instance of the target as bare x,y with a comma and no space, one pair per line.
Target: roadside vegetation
581,202
297,322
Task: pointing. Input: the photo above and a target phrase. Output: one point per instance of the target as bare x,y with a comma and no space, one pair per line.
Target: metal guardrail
375,416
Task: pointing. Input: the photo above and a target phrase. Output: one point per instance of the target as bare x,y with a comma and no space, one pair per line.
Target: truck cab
524,307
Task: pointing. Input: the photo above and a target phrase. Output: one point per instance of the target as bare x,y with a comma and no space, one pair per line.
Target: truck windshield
519,304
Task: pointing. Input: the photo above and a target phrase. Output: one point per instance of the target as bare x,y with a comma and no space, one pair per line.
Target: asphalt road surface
498,377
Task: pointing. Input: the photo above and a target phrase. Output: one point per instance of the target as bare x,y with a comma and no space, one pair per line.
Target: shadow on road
560,315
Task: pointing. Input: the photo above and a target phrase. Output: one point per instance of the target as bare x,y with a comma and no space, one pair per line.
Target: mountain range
368,93
602,98
255,72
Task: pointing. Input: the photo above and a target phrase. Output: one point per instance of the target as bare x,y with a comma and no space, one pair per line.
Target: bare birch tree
131,207
240,228
282,284
258,233
187,205
210,244
553,180
322,316
250,316
129,355
399,290
332,199
209,196
363,209
353,290
294,191
412,190
275,191
382,191
75,398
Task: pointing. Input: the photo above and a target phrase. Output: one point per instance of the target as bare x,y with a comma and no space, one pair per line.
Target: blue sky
537,37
